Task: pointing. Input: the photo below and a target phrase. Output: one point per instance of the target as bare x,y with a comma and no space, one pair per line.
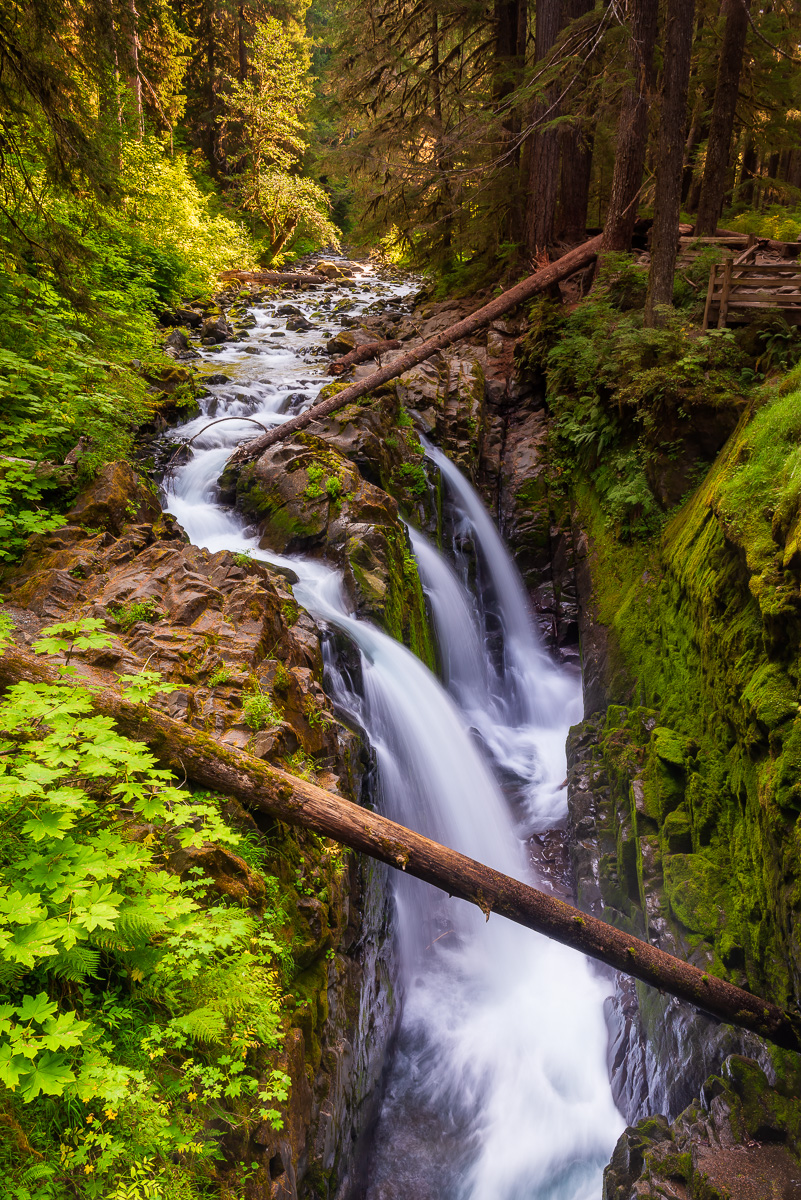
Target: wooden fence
738,288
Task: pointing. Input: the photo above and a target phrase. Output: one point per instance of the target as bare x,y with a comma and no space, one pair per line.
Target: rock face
248,666
337,490
740,1141
620,765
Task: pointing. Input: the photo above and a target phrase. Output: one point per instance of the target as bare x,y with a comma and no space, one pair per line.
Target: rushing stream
499,1088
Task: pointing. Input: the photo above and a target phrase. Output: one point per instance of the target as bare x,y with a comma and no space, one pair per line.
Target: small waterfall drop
499,1089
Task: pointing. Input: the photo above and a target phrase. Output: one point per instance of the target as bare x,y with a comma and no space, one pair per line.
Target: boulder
307,497
215,330
176,343
190,317
114,499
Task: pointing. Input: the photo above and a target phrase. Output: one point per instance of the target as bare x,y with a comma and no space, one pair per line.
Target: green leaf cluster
132,1001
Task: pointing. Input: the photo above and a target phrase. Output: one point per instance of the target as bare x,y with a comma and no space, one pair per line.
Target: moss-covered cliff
704,630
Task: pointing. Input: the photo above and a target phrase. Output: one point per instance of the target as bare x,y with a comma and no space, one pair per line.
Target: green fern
75,964
205,1025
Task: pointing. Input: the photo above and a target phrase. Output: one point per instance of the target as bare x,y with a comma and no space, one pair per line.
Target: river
498,1088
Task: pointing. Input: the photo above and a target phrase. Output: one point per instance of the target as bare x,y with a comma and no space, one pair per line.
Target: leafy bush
622,395
128,615
260,711
779,221
132,1005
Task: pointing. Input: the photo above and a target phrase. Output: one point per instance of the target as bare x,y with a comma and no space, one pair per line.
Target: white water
499,1089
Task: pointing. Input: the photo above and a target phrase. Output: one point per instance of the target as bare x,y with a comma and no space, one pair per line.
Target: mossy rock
770,697
695,887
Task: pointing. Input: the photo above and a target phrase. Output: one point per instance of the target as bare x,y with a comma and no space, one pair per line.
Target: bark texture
582,256
361,354
721,125
576,146
287,798
632,130
542,158
670,155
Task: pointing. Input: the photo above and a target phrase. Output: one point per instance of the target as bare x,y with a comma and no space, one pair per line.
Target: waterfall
499,1089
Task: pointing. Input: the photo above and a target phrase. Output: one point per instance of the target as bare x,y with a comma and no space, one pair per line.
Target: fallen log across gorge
540,281
259,785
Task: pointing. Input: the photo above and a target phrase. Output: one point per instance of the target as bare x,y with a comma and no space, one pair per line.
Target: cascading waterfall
499,1088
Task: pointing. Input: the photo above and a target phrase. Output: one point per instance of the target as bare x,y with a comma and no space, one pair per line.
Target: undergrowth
625,398
139,1009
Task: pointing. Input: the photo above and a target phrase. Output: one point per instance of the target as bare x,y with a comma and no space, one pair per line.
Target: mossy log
361,354
298,802
540,281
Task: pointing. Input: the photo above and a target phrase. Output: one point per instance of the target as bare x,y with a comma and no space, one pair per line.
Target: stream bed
498,1088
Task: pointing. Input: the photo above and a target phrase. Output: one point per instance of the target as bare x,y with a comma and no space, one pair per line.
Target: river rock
738,1141
299,324
215,330
308,498
347,340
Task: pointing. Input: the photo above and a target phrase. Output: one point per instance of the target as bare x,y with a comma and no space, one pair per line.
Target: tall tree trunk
632,130
746,191
444,162
574,199
241,44
134,80
721,125
541,162
576,155
670,155
699,128
511,28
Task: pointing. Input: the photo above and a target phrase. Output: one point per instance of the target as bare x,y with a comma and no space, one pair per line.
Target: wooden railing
738,287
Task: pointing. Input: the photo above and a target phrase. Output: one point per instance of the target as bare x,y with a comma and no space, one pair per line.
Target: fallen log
540,281
361,354
273,277
297,802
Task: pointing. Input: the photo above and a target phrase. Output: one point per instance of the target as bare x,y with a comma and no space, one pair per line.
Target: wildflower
88,1169
89,1119
192,1096
110,1113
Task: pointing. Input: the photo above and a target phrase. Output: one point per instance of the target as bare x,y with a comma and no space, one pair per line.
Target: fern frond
139,924
75,964
205,1024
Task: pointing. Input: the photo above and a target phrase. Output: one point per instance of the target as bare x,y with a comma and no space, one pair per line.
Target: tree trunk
361,354
699,127
582,256
134,81
721,125
632,130
297,802
576,145
746,190
670,156
241,45
541,161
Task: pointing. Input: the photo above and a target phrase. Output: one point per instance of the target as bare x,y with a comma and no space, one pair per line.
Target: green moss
695,888
770,696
